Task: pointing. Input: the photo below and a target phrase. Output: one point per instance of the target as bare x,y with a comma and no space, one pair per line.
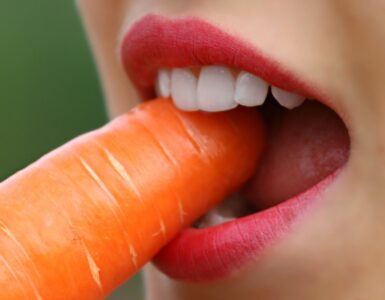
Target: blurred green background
49,90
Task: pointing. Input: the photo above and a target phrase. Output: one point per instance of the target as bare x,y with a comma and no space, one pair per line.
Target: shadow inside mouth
304,146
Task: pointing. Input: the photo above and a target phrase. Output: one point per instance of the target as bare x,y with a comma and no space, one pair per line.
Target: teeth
213,218
184,89
163,83
233,207
250,90
216,87
287,99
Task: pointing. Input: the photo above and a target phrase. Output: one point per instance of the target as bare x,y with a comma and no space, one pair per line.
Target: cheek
103,23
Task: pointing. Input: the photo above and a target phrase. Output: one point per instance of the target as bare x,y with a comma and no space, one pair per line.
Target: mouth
201,67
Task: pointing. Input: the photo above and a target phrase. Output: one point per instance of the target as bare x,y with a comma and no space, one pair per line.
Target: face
331,51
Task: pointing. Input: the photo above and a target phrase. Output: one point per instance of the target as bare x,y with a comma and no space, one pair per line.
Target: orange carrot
84,218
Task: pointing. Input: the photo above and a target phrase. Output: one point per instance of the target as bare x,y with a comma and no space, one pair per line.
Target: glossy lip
217,252
213,253
155,42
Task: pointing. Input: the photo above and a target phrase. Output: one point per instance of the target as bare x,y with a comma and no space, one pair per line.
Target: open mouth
203,68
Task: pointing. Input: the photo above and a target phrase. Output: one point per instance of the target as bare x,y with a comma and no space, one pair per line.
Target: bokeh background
49,90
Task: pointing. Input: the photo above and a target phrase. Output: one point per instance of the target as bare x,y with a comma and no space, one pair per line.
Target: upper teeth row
215,88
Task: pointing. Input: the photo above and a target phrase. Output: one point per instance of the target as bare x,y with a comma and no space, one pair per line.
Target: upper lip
155,42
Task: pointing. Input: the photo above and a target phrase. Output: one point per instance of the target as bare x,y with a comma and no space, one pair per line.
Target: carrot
84,218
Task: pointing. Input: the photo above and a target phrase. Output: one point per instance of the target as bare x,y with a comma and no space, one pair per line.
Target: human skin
336,251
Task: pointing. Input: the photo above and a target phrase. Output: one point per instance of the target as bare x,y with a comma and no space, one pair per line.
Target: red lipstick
156,42
216,252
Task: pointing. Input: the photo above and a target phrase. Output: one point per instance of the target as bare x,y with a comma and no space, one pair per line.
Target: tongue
305,145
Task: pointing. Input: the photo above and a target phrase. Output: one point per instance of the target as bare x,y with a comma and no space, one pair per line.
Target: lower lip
218,252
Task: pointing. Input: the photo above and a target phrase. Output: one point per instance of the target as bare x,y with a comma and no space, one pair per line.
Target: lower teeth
233,207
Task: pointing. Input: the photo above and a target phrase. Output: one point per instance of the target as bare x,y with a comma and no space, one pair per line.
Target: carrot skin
83,219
